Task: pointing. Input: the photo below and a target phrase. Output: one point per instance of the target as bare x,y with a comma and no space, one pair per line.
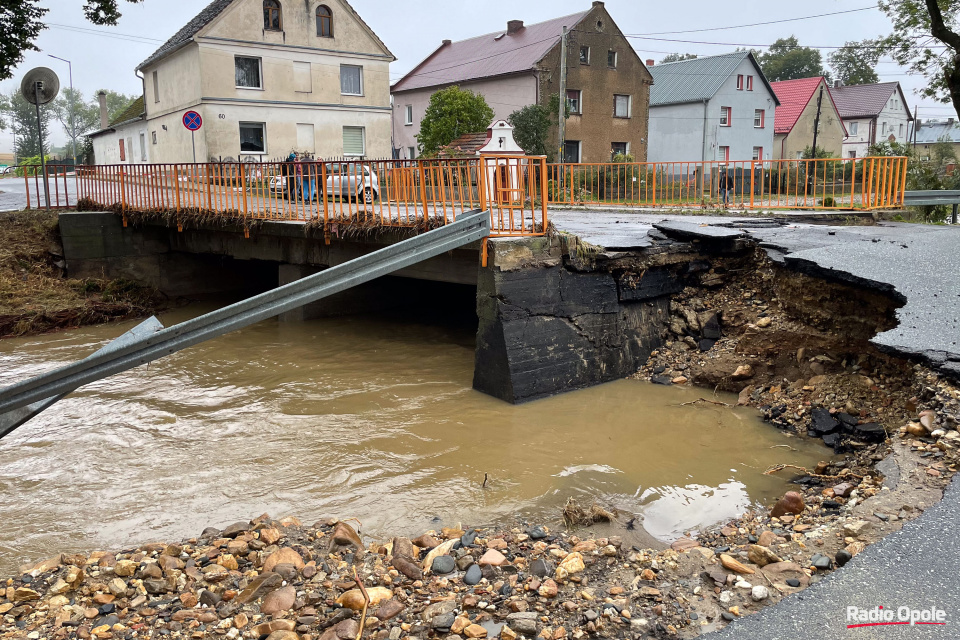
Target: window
351,80
408,116
305,138
749,83
725,116
724,154
123,151
799,155
740,82
573,101
156,87
247,72
619,149
852,154
621,106
612,59
757,153
253,137
353,141
758,118
571,151
584,55
901,129
884,128
271,16
154,135
143,147
411,152
854,126
302,77
324,22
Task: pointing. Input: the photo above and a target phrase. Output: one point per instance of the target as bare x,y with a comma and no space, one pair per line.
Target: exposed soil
35,295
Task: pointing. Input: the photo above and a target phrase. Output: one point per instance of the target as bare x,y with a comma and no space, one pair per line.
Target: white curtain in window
621,106
350,82
353,141
248,72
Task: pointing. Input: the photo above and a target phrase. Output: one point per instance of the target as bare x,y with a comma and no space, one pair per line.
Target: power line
755,24
745,44
129,37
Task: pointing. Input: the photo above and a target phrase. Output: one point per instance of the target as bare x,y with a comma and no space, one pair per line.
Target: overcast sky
105,57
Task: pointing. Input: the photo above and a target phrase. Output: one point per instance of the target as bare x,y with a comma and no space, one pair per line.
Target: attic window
599,25
271,16
324,22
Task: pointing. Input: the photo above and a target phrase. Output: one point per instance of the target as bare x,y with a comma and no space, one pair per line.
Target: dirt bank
35,297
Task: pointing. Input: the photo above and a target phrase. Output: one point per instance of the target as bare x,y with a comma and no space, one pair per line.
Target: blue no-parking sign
192,120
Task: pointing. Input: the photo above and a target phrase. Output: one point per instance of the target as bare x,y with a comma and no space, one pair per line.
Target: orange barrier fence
853,183
390,193
60,183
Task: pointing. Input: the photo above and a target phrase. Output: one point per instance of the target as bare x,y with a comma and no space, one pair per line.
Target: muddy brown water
367,417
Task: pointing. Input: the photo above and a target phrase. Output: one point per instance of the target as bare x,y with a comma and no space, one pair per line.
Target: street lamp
73,115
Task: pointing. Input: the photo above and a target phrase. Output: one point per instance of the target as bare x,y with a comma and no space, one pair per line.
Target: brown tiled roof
493,54
466,145
864,100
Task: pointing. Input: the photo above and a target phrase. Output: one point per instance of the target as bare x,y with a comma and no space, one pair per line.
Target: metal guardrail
470,227
935,198
823,183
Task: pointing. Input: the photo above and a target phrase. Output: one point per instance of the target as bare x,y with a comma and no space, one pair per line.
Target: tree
677,57
21,21
75,116
531,126
787,60
926,40
451,113
856,62
24,117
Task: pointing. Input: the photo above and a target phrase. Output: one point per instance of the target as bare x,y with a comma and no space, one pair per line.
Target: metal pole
43,160
193,139
562,115
73,115
954,219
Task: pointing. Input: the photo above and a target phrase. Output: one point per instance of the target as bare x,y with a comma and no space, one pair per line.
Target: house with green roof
718,108
124,139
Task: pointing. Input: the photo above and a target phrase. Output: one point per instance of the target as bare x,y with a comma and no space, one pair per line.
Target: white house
714,108
267,77
872,113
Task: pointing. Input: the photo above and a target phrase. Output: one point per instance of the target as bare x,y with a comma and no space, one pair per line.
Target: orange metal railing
389,193
861,183
60,182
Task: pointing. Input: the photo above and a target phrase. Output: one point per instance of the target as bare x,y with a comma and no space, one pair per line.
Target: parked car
348,181
278,185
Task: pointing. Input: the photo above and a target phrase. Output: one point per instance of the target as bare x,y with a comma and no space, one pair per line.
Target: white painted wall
137,149
895,115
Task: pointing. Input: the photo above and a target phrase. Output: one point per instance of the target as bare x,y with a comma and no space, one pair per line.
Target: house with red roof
797,117
607,91
872,113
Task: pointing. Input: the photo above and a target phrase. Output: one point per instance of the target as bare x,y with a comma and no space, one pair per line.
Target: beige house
797,117
268,77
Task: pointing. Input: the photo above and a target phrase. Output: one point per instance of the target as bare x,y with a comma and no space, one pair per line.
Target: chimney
513,26
104,115
950,121
597,3
447,42
650,62
837,84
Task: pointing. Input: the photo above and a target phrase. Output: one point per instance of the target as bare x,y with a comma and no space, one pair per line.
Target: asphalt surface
919,566
13,193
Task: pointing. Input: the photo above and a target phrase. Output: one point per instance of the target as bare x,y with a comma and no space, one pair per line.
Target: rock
548,589
407,567
729,563
461,623
524,622
438,609
706,344
156,587
283,635
344,536
235,529
426,542
117,587
822,423
474,575
475,631
286,571
280,600
353,599
389,609
763,323
927,419
680,380
443,565
821,562
258,587
228,562
439,550
572,564
917,429
684,544
25,594
843,557
506,633
541,568
791,502
266,628
870,432
762,556
209,598
662,380
759,593
710,326
284,555
856,528
125,568
403,547
768,538
444,621
492,558
270,536
782,573
347,629
843,490
743,372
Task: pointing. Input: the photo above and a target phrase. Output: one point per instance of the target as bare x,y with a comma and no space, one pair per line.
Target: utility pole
916,124
73,114
816,122
562,116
